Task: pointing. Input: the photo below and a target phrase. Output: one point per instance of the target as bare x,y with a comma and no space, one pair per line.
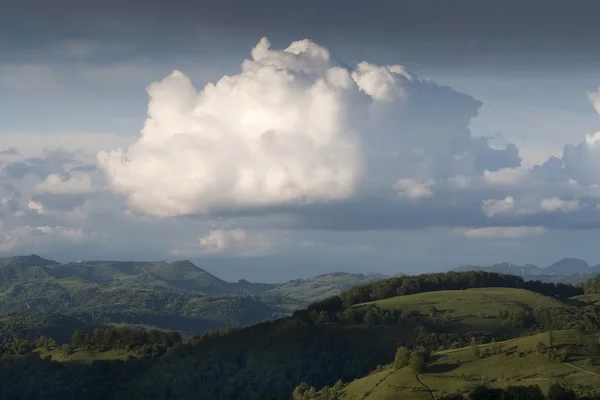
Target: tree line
124,337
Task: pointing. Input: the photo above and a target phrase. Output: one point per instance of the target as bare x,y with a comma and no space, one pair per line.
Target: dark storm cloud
459,31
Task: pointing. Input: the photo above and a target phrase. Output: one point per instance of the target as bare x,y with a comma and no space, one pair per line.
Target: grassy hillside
459,371
475,309
85,356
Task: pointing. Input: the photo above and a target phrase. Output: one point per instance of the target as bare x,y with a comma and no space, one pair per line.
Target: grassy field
477,309
85,356
458,370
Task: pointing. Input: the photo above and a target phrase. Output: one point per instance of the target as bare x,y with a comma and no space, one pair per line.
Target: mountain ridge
571,270
163,294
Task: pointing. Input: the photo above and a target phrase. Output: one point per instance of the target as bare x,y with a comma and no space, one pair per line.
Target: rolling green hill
515,362
342,338
477,309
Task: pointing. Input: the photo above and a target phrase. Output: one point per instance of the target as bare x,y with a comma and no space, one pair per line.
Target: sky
273,140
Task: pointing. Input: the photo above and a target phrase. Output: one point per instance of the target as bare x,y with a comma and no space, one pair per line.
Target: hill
175,275
167,295
569,266
516,362
478,309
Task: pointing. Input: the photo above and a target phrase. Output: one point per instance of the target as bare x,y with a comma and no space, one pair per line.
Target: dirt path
581,369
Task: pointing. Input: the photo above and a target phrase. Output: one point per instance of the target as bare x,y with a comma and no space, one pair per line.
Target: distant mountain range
168,295
568,270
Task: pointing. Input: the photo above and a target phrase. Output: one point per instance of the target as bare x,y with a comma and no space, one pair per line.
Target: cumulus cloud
594,98
414,189
381,83
511,232
553,204
236,242
492,207
275,133
76,183
527,205
582,162
504,176
36,206
296,127
23,237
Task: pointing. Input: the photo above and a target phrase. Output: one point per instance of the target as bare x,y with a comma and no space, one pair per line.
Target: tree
174,337
557,392
476,351
298,393
417,365
371,317
42,340
417,362
496,348
66,350
432,310
78,339
50,344
339,385
402,357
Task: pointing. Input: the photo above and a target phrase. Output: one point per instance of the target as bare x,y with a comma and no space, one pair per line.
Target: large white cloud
294,126
275,133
